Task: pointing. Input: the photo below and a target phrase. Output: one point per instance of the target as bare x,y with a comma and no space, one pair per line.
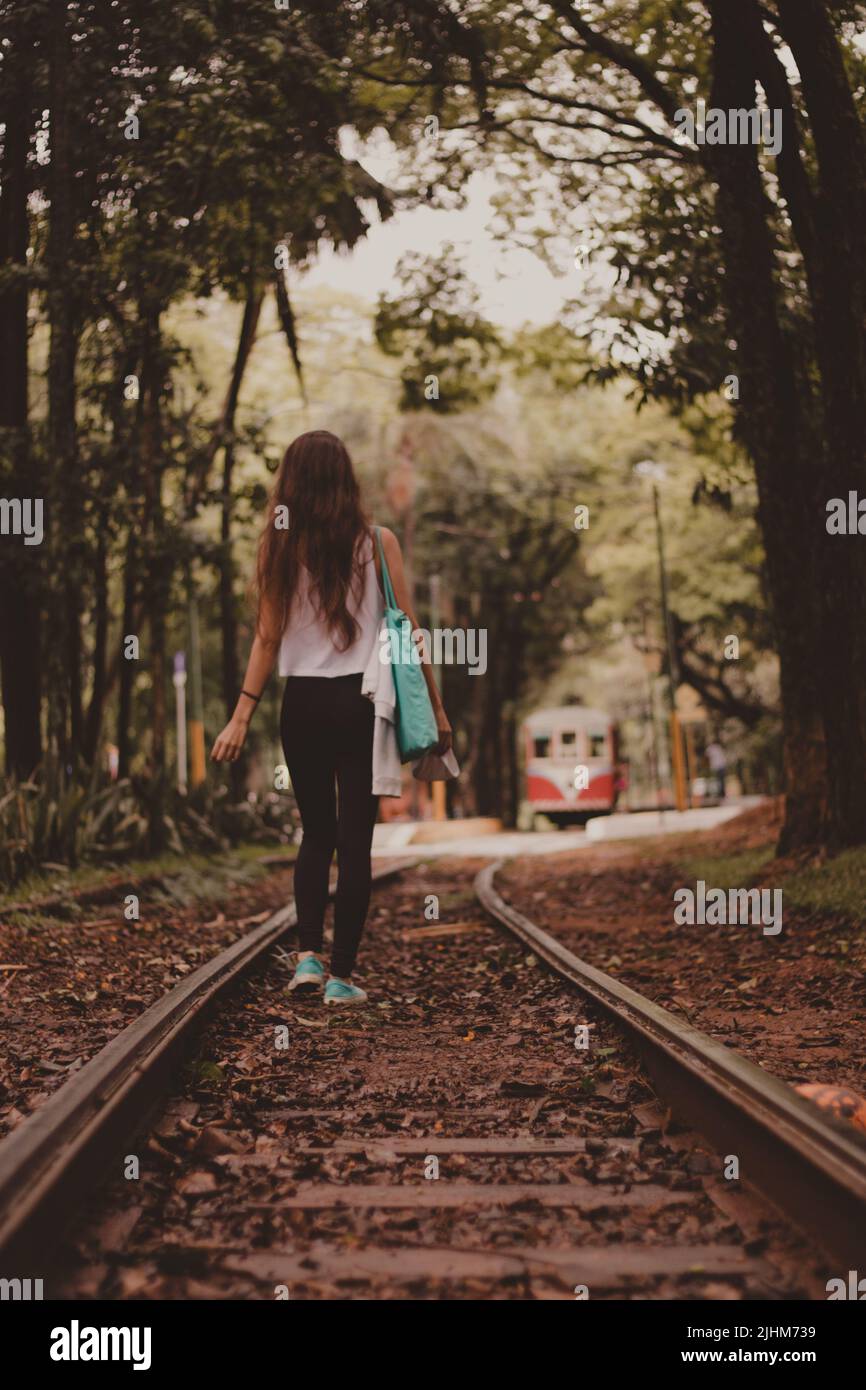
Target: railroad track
812,1169
449,1140
52,1158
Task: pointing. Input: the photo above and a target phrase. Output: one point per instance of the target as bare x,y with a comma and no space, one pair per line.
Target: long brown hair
316,483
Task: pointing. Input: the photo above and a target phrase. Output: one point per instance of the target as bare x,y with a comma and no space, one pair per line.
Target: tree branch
664,98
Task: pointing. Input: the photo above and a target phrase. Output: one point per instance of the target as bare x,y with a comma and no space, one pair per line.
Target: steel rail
811,1169
59,1154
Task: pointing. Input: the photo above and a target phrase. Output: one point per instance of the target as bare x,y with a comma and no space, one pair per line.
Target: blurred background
472,245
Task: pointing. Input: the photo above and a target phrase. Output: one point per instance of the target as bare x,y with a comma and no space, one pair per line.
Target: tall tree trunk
158,559
93,722
224,430
67,521
509,723
228,616
127,667
475,714
286,316
231,677
487,770
839,311
118,669
20,565
774,422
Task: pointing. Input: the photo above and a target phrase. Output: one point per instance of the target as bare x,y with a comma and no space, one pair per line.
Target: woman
320,603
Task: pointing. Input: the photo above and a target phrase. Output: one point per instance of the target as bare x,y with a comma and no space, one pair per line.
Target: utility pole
654,750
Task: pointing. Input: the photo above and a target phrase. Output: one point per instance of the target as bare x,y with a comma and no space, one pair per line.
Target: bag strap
386,578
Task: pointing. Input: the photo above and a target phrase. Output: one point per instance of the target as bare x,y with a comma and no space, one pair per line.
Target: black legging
326,727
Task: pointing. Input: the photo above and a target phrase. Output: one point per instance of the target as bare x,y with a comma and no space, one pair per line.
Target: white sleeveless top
309,647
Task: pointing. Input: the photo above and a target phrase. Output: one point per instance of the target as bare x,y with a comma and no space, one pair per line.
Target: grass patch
837,885
727,870
198,876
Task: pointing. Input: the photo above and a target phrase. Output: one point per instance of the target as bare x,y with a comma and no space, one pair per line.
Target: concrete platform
627,826
429,832
466,845
462,840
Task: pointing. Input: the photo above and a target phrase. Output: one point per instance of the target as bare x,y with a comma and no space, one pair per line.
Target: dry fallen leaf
214,1140
196,1183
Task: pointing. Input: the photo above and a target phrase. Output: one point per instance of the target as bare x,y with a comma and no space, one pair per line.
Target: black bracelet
256,698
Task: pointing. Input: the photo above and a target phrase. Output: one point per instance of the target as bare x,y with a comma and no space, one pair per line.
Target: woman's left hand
228,745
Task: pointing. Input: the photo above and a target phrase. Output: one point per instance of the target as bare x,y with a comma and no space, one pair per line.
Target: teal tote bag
416,723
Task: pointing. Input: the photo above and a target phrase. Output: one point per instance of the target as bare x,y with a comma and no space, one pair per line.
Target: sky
513,284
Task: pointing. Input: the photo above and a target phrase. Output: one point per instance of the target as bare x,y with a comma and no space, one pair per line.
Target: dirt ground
794,1003
70,981
295,1153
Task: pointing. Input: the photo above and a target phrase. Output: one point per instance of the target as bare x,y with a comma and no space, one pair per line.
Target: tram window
567,739
597,745
541,746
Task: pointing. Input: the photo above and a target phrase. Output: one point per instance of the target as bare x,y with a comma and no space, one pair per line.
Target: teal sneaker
309,975
340,992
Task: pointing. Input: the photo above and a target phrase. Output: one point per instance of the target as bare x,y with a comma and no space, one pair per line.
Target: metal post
180,712
196,722
655,760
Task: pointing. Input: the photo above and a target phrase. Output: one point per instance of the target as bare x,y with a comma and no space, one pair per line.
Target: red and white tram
573,766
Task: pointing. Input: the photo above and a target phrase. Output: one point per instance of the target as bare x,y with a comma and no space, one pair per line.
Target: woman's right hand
228,744
445,732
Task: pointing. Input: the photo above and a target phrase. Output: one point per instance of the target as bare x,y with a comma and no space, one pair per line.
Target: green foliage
55,821
434,325
201,138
